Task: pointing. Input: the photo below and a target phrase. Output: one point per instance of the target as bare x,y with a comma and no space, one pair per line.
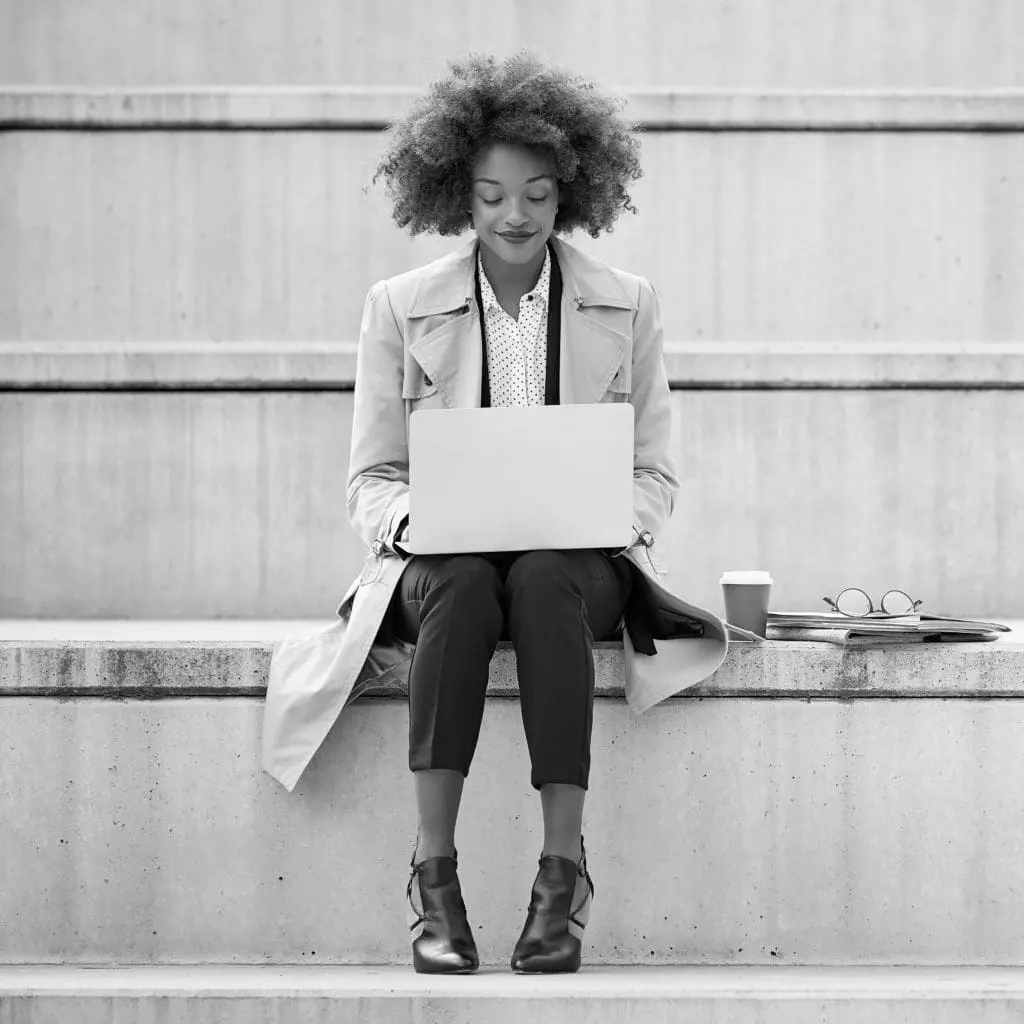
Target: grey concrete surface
163,630
268,630
222,504
807,236
645,995
100,366
719,830
360,107
177,659
825,44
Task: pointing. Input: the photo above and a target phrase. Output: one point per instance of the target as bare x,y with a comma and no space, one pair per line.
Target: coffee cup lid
749,576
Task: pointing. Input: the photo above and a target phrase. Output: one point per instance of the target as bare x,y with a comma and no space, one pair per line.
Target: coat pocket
422,395
618,389
418,386
622,382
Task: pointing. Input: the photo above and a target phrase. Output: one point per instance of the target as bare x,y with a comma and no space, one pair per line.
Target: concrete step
806,805
832,236
924,43
370,108
641,995
218,504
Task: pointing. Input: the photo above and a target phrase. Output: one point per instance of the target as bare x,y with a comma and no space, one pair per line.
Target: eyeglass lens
854,601
895,602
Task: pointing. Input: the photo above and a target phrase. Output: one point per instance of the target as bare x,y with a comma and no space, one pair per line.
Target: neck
512,277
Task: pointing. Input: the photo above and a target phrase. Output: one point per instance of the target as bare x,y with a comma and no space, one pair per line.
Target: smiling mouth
508,234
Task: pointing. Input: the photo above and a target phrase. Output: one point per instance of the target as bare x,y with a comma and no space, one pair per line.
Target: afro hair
431,150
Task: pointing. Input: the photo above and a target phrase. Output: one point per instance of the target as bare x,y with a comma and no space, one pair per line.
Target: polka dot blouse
517,349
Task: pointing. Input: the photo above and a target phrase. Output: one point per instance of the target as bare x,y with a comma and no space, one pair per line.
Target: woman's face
514,193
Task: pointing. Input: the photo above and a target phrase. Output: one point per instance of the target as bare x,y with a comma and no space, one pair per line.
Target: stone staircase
832,216
811,834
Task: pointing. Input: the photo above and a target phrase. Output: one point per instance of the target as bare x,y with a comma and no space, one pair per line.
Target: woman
522,154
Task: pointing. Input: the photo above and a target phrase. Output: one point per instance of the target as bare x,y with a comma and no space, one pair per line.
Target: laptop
520,479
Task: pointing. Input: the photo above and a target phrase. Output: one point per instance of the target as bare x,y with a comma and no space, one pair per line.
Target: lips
515,237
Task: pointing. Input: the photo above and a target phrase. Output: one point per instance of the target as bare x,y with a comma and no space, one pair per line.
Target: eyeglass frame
880,612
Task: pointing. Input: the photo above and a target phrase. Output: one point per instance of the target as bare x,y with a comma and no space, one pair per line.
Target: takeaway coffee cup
746,598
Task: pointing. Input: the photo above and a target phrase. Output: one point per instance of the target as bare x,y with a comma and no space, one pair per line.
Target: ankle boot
552,937
442,941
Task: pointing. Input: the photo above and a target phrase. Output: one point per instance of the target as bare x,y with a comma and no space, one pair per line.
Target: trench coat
420,348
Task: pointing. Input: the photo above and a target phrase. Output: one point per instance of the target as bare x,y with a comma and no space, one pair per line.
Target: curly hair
431,150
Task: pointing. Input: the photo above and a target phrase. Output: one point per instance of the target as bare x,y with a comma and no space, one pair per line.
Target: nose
516,217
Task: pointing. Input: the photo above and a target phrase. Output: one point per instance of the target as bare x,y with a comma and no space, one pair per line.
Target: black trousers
552,605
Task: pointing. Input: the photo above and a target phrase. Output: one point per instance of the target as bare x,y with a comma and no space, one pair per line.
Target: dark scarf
551,396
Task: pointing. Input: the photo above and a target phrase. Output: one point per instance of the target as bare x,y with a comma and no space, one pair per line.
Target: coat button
427,380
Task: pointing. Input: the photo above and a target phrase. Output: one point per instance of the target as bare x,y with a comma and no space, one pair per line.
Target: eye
494,202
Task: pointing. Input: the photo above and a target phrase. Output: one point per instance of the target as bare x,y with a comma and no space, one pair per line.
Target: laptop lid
520,479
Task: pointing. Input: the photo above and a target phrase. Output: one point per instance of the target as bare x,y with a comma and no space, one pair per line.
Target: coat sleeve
377,494
655,484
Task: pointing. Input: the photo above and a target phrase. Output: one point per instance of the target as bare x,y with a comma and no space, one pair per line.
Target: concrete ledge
861,821
759,831
700,995
365,108
711,365
175,667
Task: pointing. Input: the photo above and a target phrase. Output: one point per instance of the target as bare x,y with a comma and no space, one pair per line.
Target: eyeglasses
858,604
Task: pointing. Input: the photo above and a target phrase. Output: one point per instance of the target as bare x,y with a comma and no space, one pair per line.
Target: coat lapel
597,316
443,325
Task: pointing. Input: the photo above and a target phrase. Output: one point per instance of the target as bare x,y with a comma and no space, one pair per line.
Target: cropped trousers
552,605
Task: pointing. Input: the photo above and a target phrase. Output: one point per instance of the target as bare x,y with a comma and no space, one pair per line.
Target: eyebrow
491,181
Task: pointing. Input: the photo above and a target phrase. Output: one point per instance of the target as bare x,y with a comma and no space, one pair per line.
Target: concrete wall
170,504
744,831
760,237
797,44
857,227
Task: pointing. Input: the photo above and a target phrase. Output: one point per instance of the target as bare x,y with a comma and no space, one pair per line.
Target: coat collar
594,325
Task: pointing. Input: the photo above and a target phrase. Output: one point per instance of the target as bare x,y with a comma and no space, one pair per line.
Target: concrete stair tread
177,630
224,630
641,995
109,365
635,982
231,658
